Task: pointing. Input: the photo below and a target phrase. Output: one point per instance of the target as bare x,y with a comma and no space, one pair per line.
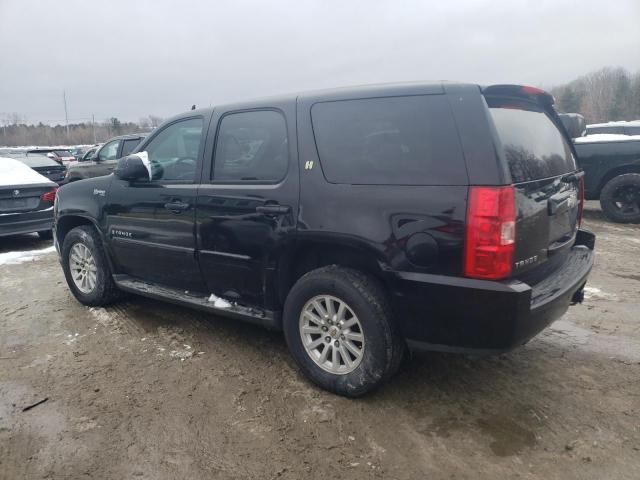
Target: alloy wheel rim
627,200
331,334
83,268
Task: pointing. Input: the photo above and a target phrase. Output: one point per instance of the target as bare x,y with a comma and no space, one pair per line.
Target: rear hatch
540,163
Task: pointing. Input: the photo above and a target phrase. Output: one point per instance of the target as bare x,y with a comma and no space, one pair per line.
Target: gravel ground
149,390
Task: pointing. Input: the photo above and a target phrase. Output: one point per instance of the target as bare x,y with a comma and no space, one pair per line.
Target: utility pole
66,113
93,126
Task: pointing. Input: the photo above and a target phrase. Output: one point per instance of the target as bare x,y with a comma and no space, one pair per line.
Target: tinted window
633,130
173,152
533,145
399,140
251,146
109,151
129,145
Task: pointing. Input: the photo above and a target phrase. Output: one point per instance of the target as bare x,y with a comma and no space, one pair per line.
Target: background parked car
619,128
26,200
63,157
42,164
78,152
105,158
89,153
612,174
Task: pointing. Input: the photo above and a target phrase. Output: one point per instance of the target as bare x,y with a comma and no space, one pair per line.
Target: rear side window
408,140
533,146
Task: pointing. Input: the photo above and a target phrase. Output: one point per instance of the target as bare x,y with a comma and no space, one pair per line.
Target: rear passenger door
248,201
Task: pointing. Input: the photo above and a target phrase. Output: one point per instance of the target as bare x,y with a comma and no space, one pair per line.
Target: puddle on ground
509,438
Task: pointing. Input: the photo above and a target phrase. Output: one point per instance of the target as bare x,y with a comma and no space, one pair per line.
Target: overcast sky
129,59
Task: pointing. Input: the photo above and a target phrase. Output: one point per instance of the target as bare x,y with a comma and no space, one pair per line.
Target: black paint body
250,242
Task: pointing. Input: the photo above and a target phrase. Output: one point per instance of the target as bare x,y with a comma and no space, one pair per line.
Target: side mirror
131,168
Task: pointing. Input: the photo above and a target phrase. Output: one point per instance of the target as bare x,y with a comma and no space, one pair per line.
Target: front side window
173,152
410,140
251,146
110,151
129,145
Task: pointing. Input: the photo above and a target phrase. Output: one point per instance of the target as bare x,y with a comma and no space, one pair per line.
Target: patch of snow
594,292
630,123
14,172
13,258
182,353
606,137
219,302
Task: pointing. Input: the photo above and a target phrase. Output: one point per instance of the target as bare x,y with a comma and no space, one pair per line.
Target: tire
45,234
365,298
104,290
620,198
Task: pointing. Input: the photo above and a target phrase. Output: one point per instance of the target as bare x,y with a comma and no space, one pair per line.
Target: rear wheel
338,326
45,234
620,198
86,268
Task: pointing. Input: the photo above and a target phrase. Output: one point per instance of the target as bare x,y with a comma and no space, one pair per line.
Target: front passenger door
151,221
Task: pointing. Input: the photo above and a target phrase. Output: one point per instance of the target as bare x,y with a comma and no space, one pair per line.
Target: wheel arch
615,172
308,255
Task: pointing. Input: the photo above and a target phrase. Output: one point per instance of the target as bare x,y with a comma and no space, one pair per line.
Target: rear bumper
18,223
476,316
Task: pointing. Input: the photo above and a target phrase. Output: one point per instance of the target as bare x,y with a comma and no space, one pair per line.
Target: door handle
273,209
176,206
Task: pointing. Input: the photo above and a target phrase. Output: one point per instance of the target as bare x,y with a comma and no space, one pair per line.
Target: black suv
359,221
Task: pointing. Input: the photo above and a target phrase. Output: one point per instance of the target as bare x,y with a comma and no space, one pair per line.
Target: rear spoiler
524,91
544,98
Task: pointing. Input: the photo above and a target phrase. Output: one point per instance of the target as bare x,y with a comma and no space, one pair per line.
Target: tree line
15,132
609,94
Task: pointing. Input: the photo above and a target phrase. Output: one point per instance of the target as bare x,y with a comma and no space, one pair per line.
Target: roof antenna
193,107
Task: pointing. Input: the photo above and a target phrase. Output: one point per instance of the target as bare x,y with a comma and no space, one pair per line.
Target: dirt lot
149,390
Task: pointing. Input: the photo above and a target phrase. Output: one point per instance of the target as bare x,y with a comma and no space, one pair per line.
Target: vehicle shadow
21,243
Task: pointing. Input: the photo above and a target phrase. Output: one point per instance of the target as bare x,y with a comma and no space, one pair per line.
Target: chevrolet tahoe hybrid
360,221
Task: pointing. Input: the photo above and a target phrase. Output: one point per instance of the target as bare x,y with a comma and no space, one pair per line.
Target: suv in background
359,221
104,160
62,156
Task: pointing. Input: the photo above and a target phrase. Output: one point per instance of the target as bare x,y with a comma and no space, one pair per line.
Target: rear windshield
533,145
409,140
63,153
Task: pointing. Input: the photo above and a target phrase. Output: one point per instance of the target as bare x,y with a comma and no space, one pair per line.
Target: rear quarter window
533,145
410,140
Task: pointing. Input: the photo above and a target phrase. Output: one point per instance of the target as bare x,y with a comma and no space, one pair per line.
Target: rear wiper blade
573,177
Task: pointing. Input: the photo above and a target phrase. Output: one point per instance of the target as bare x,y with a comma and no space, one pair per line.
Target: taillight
49,196
580,201
491,232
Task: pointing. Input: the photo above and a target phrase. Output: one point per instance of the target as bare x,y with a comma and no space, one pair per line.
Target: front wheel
86,268
620,198
338,326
